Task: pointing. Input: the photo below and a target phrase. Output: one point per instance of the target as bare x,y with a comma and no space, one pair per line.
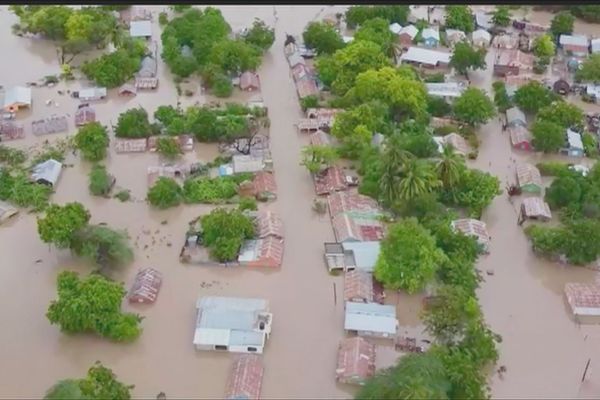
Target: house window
220,347
252,349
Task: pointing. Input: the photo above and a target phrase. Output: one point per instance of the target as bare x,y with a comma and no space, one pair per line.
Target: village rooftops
573,40
295,59
233,324
473,227
431,33
247,163
350,256
528,175
350,229
140,29
426,56
245,378
481,35
148,68
47,172
371,319
458,143
519,135
536,208
94,93
584,298
268,224
395,28
409,30
447,89
17,97
483,20
130,145
356,361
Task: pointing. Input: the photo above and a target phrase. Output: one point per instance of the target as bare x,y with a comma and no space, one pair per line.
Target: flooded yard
544,350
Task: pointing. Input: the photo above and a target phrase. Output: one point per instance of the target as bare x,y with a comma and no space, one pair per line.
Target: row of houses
431,37
141,145
304,75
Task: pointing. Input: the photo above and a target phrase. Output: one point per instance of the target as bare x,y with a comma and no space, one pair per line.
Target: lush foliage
358,15
133,123
501,98
168,147
590,69
165,193
467,57
102,246
474,107
588,12
18,189
564,114
460,17
548,136
543,46
92,305
322,37
533,95
562,23
501,16
61,223
114,69
212,190
260,35
92,140
223,232
474,190
101,181
315,158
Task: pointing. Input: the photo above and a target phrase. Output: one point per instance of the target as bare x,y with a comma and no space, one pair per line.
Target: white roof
410,30
430,33
395,28
574,140
92,93
347,39
365,253
18,95
515,114
447,89
48,171
582,169
482,34
370,317
595,45
573,40
483,20
140,28
439,140
452,32
425,56
593,90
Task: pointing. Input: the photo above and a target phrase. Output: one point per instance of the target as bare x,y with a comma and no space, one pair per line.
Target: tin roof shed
47,172
475,228
17,97
583,298
356,361
536,208
141,29
529,177
358,286
146,286
371,317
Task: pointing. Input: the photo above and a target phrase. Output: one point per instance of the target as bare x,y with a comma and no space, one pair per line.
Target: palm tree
393,161
449,166
418,178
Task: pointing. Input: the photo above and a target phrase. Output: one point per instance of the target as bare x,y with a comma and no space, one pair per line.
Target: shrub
165,193
101,182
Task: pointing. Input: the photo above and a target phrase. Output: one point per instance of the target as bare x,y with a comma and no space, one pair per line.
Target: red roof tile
330,180
245,378
356,360
146,286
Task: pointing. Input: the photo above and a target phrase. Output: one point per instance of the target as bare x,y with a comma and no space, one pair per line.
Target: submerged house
145,287
454,36
356,361
16,98
237,325
47,126
130,145
578,45
520,137
330,180
481,38
264,186
350,256
584,301
91,94
574,146
47,172
370,319
458,143
146,77
245,378
535,208
249,81
475,228
262,253
140,29
515,117
512,62
268,224
84,115
426,58
529,178
127,89
362,287
356,229
10,130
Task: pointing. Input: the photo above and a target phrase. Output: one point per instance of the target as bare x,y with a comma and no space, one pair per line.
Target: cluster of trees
562,24
16,187
358,15
198,41
75,30
99,384
533,95
588,12
92,305
322,37
590,69
134,124
501,16
501,98
92,140
543,48
223,232
460,17
465,57
68,227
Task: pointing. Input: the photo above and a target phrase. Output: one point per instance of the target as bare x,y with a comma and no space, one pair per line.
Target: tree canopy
543,46
260,35
474,107
532,96
92,140
223,232
113,69
377,30
565,114
501,16
460,17
165,193
61,223
133,123
322,37
590,69
101,181
548,136
359,14
562,23
93,305
467,57
102,246
314,158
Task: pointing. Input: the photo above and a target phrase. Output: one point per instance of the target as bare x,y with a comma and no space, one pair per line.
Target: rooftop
445,89
584,298
356,360
528,174
473,227
574,140
573,40
425,56
371,317
140,28
535,207
519,134
245,378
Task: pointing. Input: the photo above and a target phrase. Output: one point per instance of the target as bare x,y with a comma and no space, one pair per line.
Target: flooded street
543,349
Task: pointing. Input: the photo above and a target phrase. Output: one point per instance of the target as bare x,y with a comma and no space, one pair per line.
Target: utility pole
334,295
586,369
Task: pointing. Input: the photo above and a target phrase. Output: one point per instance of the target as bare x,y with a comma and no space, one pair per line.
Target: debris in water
164,222
39,260
490,272
169,244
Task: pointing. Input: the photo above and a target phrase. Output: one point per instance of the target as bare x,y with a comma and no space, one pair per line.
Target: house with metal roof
145,287
483,20
584,300
249,81
458,143
245,378
406,35
237,325
146,77
574,146
349,228
262,253
354,204
268,224
91,94
445,90
17,97
481,38
431,37
52,124
520,137
330,180
426,58
358,286
140,29
84,114
529,178
349,256
515,117
535,208
130,145
247,163
475,228
578,45
47,172
295,59
454,36
264,186
371,319
395,28
356,361
595,45
512,62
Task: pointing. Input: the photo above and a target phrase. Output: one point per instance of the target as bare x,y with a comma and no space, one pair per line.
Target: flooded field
543,349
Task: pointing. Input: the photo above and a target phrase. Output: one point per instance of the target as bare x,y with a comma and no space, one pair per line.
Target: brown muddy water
544,350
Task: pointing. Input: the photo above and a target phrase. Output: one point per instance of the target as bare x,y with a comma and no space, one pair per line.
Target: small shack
356,361
529,178
245,378
458,143
16,98
53,124
131,145
330,180
520,137
92,94
574,146
127,89
249,81
264,185
370,319
140,29
10,130
406,36
584,301
578,45
515,117
84,114
475,228
146,286
47,172
431,37
536,209
262,253
454,36
7,212
268,224
350,256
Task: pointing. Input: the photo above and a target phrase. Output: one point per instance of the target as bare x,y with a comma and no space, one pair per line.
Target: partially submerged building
268,224
584,301
146,77
237,325
475,228
512,62
426,58
245,378
10,130
529,178
264,186
17,97
578,45
370,319
84,114
262,253
361,287
140,29
458,143
481,38
520,137
174,171
350,256
249,81
445,90
454,36
515,117
130,145
247,163
330,180
356,361
47,126
535,208
353,204
92,94
145,287
127,89
574,147
47,172
356,229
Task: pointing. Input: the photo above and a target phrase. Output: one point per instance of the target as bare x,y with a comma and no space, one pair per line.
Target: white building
47,172
140,29
446,90
370,319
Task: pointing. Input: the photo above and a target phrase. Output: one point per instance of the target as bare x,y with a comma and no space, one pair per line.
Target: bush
309,102
211,190
165,193
222,86
435,78
551,168
92,140
163,19
133,124
248,203
223,232
123,195
11,156
438,107
101,182
168,147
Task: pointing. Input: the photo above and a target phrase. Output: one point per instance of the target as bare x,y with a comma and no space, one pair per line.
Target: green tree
418,178
133,123
61,223
260,35
588,12
564,191
314,158
565,114
582,241
67,389
309,102
501,16
438,106
467,57
223,232
163,18
449,167
474,190
167,114
377,30
102,383
235,56
102,246
358,15
101,181
590,69
165,193
92,140
548,136
222,86
114,69
409,257
345,64
416,376
501,98
562,23
392,162
168,147
532,96
460,17
474,107
92,305
543,46
322,37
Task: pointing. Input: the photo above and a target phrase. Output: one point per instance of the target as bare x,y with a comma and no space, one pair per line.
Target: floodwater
544,350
